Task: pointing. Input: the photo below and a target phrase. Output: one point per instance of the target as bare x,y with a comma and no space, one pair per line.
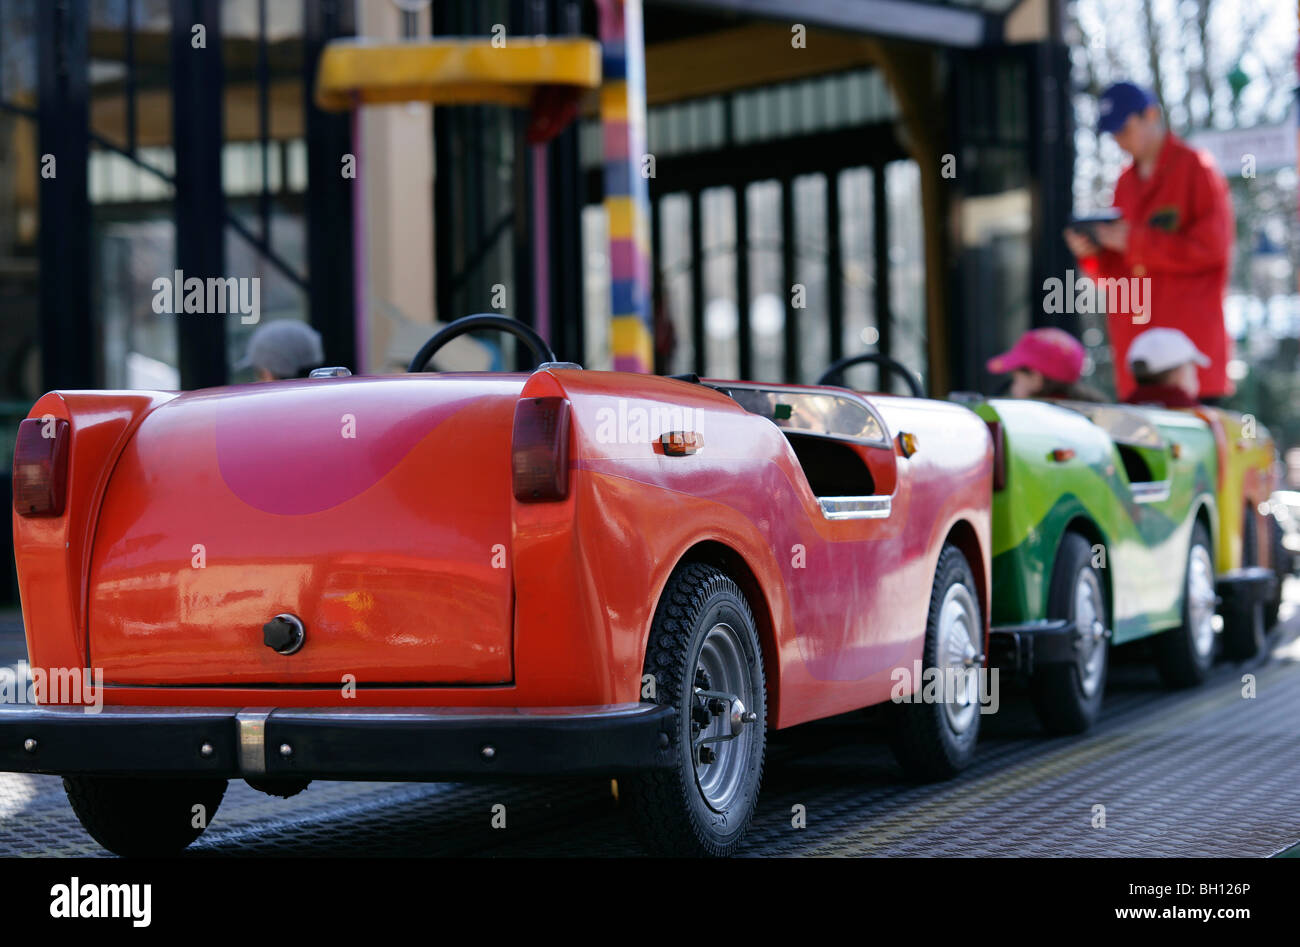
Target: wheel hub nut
740,716
707,755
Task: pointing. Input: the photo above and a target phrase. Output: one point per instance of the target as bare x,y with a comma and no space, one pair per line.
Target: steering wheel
535,344
834,374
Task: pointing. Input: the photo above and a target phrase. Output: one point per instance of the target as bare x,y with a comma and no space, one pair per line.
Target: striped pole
627,190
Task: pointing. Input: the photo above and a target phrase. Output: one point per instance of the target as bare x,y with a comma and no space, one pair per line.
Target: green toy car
1104,528
1113,523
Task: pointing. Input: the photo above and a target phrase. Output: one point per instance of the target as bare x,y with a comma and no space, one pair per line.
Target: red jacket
1167,396
1180,236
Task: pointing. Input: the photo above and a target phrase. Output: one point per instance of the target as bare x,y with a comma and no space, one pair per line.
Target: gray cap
284,348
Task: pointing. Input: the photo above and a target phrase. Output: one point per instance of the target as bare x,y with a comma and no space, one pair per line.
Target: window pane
766,293
722,352
810,276
675,271
906,265
858,272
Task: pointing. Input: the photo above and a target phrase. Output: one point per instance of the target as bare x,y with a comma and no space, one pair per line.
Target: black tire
1249,537
669,808
1245,620
280,788
143,818
1058,690
1279,557
922,734
1179,659
1271,610
1245,629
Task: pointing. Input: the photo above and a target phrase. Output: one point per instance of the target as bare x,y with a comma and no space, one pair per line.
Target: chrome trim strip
856,508
1156,491
251,722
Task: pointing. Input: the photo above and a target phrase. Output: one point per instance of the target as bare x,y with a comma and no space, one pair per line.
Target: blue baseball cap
1120,101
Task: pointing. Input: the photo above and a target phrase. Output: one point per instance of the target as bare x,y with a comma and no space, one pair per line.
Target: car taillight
540,455
999,454
41,467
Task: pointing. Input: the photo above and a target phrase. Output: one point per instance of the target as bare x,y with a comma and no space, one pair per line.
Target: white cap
1156,351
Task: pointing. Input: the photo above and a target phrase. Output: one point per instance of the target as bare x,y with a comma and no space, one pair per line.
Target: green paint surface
1141,547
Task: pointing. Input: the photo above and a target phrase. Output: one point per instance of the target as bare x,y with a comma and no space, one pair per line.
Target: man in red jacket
1176,230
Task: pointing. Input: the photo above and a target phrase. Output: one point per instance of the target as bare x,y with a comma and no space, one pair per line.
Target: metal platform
1201,772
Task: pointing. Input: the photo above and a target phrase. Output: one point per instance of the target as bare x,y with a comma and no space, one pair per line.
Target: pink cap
1053,352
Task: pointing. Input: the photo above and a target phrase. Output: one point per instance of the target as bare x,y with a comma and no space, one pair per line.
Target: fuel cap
284,633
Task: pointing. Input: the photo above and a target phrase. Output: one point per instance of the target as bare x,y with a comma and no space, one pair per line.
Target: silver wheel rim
722,659
959,630
1200,599
1087,617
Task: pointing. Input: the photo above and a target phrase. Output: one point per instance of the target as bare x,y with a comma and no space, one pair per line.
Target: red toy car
452,576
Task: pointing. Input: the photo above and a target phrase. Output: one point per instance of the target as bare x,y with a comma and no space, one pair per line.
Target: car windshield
1124,425
812,412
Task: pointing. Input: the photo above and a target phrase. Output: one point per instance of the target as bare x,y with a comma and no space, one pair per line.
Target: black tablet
1087,223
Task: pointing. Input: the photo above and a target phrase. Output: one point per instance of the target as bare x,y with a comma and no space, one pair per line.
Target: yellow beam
452,71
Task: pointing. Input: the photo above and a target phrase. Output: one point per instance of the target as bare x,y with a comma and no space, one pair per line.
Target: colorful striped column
627,190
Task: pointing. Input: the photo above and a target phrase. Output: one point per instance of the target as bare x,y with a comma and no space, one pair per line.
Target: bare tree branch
1153,53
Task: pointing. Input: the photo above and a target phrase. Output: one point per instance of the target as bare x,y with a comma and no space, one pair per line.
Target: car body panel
423,582
1247,477
362,506
1090,490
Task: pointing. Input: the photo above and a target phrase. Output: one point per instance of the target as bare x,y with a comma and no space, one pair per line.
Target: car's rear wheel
704,659
144,818
1184,654
1068,697
1246,619
935,739
1245,628
1279,554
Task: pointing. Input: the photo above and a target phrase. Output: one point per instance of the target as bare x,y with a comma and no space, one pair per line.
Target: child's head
1166,357
1042,363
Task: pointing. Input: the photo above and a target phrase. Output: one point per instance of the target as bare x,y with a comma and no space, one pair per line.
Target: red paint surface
385,546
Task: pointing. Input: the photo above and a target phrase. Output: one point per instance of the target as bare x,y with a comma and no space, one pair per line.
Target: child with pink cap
1045,363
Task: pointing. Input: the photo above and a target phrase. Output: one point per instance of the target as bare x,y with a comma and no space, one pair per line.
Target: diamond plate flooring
1189,773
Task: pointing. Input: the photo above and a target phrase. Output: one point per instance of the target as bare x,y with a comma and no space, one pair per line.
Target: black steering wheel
835,374
535,344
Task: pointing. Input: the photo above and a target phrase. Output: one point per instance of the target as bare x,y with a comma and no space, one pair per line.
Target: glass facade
131,171
787,322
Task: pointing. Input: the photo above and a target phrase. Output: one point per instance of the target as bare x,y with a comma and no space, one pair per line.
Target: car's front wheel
144,818
1068,697
1185,654
934,729
703,658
